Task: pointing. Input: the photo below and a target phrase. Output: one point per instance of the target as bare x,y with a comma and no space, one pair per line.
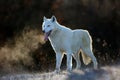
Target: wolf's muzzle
43,31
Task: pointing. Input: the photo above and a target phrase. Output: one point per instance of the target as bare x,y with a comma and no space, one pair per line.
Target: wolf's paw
57,71
69,70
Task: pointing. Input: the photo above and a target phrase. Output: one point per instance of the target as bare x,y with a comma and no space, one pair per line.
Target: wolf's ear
53,18
44,18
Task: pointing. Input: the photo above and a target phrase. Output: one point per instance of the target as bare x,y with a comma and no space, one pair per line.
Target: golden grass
17,55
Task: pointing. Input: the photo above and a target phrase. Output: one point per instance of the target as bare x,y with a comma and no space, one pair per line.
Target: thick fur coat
69,42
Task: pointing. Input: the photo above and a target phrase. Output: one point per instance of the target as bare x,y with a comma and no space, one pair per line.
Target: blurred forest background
22,47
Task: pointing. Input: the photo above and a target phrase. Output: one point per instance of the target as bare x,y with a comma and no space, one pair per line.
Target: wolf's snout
43,31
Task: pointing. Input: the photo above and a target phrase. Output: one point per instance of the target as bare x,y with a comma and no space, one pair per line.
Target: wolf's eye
48,26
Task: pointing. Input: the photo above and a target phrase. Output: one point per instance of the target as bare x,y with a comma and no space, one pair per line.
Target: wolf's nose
43,31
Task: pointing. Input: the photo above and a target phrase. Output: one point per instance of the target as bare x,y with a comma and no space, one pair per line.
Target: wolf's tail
86,59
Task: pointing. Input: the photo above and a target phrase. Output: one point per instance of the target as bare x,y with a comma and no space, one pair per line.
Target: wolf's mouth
46,35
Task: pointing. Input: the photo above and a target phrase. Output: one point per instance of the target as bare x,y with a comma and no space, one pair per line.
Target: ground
103,73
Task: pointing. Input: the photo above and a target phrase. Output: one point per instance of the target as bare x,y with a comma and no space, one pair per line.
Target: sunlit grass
17,55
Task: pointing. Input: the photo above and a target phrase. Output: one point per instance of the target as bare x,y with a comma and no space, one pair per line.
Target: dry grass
16,54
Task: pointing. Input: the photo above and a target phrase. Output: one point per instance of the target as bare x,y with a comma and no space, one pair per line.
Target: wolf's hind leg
89,53
76,57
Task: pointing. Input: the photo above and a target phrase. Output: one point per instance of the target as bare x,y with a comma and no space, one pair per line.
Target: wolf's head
48,26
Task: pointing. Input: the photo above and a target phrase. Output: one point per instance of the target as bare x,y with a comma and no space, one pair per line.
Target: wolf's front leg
59,57
69,62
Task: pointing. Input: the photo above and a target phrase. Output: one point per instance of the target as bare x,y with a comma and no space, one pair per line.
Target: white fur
69,42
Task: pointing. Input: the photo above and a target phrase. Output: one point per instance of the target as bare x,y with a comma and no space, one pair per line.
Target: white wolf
69,42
